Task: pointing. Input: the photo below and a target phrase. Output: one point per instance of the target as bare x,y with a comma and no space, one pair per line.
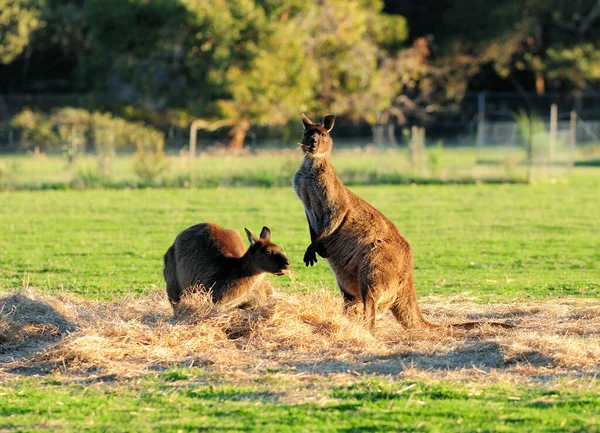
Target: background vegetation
248,63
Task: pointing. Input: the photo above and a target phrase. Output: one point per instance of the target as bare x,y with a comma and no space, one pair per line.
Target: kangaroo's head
316,141
265,255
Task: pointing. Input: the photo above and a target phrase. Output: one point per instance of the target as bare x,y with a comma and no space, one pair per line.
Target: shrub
533,134
88,176
435,158
101,130
36,130
150,161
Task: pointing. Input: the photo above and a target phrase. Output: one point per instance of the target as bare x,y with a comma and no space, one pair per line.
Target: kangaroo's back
201,253
209,241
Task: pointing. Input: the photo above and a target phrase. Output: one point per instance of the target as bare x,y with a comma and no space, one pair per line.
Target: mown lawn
502,240
179,402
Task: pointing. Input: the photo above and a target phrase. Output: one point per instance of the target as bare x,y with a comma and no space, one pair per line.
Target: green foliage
390,32
18,20
103,130
435,158
150,163
343,47
88,176
246,61
36,130
533,134
261,62
579,64
555,40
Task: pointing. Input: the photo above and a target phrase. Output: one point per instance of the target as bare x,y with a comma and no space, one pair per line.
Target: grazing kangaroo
213,258
371,260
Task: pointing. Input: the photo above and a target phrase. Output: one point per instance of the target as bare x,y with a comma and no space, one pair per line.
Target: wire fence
500,120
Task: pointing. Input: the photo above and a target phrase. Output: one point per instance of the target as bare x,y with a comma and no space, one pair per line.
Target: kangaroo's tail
406,311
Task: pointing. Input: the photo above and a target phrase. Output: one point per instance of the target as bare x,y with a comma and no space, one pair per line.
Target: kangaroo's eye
323,135
269,253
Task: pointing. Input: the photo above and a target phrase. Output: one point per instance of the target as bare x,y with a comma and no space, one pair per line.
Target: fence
484,119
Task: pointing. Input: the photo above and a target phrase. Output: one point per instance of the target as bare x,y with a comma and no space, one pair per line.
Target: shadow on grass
27,327
262,180
588,163
484,355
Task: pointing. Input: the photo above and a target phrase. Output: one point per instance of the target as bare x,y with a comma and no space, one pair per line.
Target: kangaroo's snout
310,143
284,265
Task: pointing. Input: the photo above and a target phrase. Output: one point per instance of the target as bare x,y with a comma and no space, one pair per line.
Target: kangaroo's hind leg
351,302
377,291
370,307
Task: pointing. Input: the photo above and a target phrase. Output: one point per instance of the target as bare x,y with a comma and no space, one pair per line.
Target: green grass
494,242
262,169
274,168
161,403
509,241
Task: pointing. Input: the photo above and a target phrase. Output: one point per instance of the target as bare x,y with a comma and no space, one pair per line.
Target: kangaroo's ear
251,237
328,122
306,122
265,234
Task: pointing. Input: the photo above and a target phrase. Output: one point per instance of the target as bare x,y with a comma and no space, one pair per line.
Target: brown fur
371,260
209,257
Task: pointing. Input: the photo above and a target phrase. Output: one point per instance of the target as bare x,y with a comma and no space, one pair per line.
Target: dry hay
305,334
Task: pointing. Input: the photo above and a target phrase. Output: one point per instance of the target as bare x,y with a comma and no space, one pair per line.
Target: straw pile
301,333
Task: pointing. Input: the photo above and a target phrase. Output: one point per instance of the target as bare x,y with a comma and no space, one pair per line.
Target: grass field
507,241
87,342
214,168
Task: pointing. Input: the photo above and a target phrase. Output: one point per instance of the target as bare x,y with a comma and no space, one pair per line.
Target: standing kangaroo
214,258
371,260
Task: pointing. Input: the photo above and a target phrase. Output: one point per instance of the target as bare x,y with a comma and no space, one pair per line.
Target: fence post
193,133
553,130
74,146
572,139
416,148
530,149
480,121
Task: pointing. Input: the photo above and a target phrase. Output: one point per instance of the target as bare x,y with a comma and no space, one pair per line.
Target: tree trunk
238,134
540,84
377,131
391,133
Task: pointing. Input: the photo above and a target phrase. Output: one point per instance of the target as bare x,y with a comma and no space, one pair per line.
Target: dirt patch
299,334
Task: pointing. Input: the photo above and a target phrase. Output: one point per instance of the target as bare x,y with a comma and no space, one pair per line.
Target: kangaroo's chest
314,190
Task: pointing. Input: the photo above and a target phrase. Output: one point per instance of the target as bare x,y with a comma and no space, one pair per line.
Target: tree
269,78
18,20
529,37
299,56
